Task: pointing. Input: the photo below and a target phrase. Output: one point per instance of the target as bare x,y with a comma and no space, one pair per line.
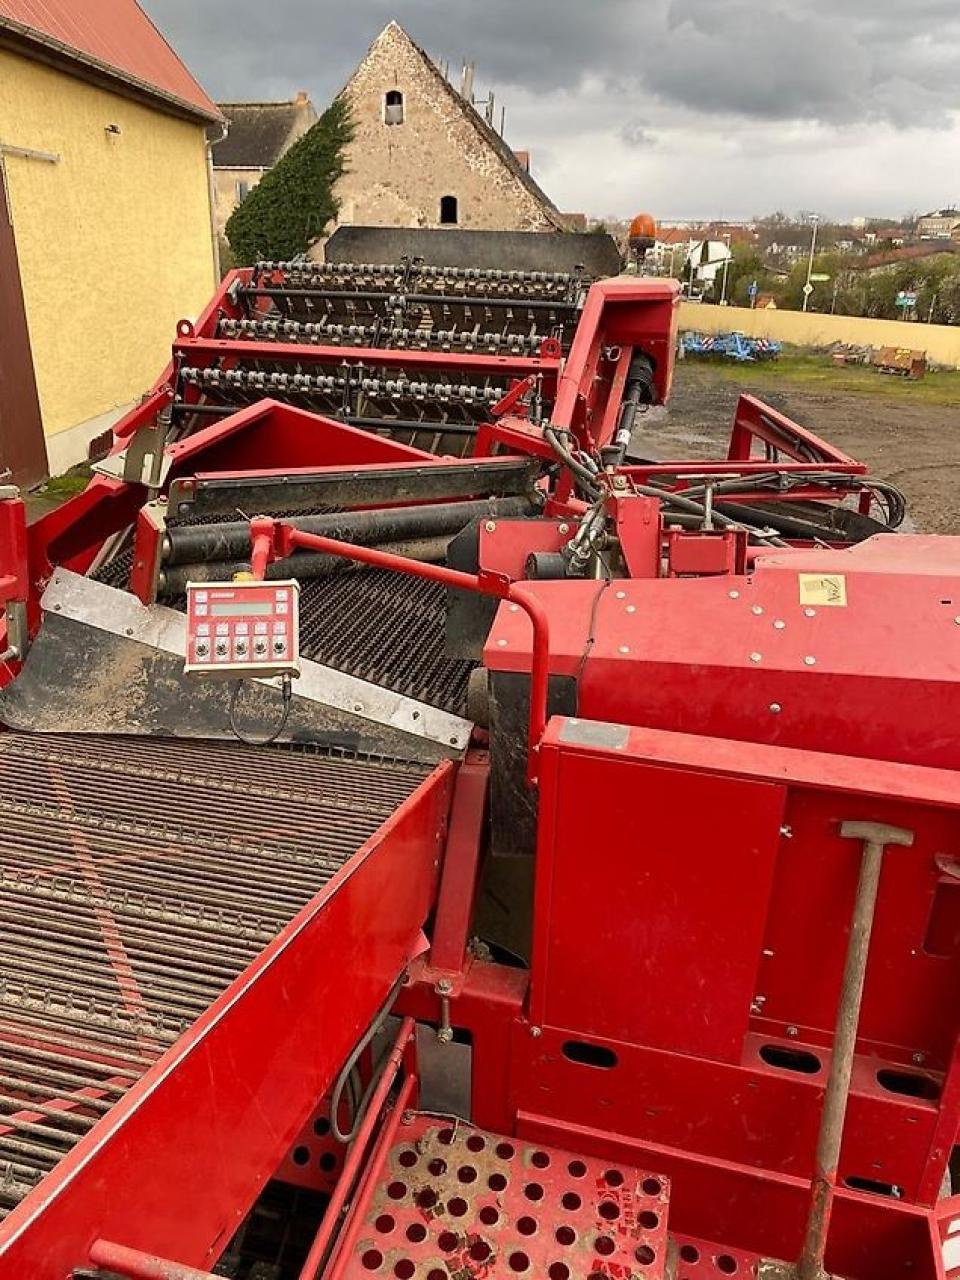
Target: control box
243,628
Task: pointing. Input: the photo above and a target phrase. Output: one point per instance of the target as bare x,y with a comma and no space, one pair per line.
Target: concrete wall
940,341
396,174
114,242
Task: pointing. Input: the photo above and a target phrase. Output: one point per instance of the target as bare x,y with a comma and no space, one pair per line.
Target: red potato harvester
445,837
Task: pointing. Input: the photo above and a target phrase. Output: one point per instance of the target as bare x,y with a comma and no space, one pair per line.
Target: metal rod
265,547
355,1155
875,837
414,299
304,566
187,543
368,1186
137,1265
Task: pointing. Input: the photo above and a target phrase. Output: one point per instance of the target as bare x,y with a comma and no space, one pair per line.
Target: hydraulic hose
638,390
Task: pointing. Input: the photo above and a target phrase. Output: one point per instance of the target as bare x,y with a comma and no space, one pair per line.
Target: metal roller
185,544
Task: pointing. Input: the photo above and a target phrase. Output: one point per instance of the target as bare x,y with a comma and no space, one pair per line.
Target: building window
448,211
393,107
243,190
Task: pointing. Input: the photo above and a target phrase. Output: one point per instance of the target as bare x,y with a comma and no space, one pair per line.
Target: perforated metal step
455,1201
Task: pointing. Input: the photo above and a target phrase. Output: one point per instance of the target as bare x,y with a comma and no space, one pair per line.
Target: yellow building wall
941,342
114,240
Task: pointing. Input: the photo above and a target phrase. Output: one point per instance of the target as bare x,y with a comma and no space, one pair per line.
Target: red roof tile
114,37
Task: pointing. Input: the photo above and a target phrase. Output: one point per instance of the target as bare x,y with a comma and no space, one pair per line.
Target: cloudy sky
686,108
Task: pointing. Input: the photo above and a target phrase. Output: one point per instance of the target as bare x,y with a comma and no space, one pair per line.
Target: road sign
907,299
819,276
807,290
754,289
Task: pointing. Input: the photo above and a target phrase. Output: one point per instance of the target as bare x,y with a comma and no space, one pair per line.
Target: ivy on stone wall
294,202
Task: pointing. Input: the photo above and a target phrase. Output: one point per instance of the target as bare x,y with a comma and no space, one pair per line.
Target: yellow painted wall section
941,342
114,241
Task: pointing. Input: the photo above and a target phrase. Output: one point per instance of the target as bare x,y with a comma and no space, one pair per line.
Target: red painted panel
193,1143
658,898
751,1114
871,1237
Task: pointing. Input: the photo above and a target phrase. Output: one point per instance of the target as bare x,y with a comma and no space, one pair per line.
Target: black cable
287,693
591,637
586,478
345,1071
671,499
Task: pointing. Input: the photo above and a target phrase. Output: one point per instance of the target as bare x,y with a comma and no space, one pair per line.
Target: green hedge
293,203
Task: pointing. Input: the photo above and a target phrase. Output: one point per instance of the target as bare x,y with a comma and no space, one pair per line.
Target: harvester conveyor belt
138,879
371,623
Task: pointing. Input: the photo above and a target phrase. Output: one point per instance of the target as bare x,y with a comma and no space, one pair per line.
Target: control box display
243,628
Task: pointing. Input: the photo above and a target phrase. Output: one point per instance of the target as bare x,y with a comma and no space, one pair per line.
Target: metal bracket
144,460
18,631
29,153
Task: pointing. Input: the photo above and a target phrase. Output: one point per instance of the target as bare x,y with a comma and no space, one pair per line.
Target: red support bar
755,420
141,1266
286,538
356,1153
14,583
458,881
261,541
365,1193
388,358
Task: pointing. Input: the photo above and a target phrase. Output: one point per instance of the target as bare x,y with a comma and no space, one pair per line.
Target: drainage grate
455,1201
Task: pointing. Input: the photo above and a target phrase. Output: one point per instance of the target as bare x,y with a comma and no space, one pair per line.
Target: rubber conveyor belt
138,878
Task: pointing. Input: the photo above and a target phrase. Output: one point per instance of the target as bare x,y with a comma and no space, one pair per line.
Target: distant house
670,250
106,237
423,156
258,134
939,225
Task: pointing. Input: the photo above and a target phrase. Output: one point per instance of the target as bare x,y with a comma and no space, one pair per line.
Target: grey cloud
675,84
635,135
823,60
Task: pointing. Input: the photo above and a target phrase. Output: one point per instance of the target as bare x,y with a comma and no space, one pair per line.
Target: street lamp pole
726,264
808,287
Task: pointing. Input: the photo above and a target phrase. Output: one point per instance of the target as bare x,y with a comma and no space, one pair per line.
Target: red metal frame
692,893
208,350
194,1141
274,540
755,421
689,1078
461,865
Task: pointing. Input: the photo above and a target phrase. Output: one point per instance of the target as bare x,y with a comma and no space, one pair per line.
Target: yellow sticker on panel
823,588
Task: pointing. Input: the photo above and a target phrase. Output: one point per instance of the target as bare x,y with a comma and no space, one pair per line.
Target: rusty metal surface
455,1201
138,878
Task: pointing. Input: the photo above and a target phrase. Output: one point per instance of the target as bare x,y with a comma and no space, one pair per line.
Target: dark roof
257,133
492,138
111,41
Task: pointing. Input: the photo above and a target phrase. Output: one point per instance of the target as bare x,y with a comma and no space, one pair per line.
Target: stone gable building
423,156
258,134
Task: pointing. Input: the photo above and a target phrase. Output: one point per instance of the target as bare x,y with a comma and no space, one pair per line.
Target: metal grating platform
455,1201
138,878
